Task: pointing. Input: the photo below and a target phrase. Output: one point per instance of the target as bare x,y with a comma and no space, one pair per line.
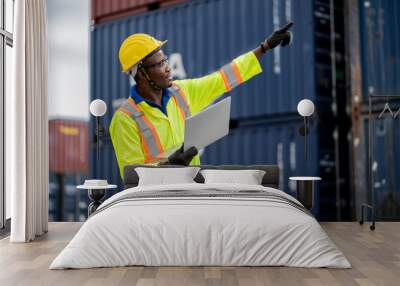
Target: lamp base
305,190
305,193
97,196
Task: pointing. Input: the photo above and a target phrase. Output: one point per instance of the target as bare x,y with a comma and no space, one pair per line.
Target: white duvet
183,231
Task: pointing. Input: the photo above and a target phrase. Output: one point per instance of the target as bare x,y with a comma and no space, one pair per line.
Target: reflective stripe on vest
231,75
151,140
180,101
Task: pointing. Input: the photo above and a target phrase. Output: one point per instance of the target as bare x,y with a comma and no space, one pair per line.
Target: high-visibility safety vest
152,146
141,133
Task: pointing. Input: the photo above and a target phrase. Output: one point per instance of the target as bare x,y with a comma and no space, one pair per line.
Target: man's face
158,69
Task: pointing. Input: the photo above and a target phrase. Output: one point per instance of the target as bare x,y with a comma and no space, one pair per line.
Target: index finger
286,27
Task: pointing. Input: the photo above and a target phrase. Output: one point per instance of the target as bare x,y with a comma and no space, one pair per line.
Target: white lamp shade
305,107
98,107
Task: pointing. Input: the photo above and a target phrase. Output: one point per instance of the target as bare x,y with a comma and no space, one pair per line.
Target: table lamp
305,109
305,184
98,108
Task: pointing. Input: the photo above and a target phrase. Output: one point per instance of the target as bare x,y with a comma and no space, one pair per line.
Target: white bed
225,225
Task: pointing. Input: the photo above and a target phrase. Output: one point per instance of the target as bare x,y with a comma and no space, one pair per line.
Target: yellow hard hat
135,48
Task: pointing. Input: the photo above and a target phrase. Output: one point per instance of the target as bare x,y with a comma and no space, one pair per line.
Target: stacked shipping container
379,58
386,169
380,46
106,10
66,202
203,35
69,166
334,122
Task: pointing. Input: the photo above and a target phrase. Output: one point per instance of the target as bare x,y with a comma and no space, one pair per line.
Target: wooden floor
374,255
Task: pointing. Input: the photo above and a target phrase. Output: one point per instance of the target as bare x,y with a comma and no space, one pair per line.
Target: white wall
68,36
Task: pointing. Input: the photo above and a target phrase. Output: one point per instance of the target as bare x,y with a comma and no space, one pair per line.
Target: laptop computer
208,126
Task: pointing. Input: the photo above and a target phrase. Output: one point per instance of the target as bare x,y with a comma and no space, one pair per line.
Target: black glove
279,37
182,158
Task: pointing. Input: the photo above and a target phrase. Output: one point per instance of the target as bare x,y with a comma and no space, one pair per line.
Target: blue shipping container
380,46
385,167
204,35
75,202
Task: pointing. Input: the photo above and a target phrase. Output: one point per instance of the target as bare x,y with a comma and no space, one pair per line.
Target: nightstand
96,192
305,190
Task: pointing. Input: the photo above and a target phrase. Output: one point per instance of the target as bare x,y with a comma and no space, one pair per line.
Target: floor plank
374,255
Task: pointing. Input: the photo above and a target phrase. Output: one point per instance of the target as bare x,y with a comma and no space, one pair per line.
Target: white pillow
163,176
248,177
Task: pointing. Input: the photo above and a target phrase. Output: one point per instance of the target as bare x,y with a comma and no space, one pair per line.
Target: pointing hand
281,37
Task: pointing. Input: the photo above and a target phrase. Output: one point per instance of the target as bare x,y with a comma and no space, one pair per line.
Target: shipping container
66,202
385,166
380,46
69,166
68,146
205,34
108,167
107,10
374,57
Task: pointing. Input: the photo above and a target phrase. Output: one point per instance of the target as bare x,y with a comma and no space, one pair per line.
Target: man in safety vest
152,120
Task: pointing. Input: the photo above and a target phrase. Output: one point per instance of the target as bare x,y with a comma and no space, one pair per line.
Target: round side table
96,195
305,190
